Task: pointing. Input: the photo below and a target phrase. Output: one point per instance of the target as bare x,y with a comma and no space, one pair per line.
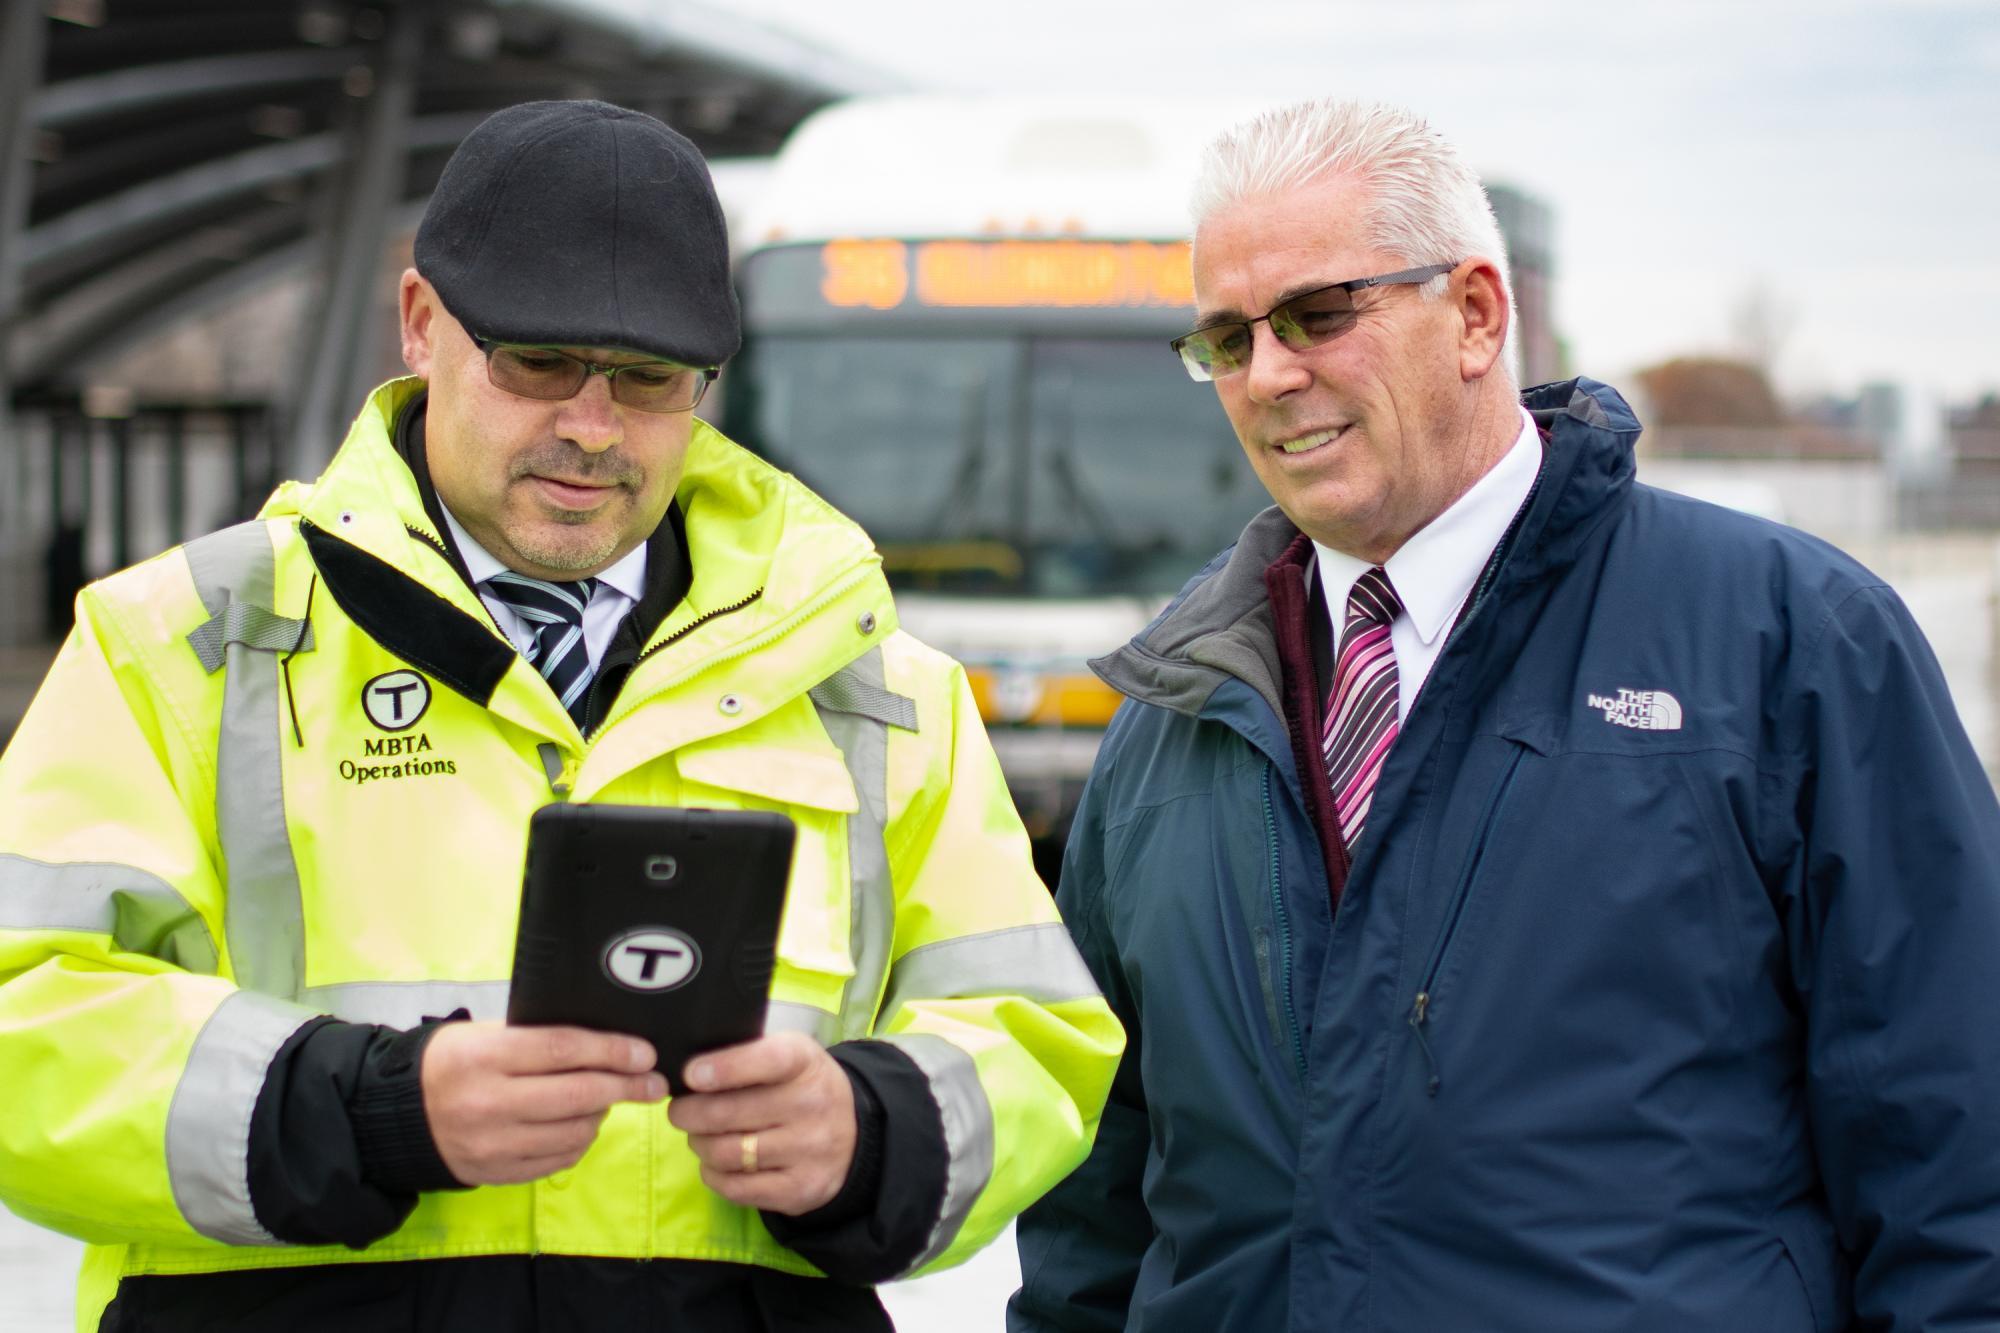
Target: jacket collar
1220,626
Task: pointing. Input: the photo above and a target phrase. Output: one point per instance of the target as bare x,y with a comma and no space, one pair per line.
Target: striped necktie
1361,710
555,610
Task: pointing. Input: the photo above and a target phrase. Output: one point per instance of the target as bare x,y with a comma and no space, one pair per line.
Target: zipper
627,701
1420,1008
428,540
1283,921
696,624
1491,574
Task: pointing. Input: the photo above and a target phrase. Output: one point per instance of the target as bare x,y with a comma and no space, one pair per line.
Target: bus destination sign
1012,274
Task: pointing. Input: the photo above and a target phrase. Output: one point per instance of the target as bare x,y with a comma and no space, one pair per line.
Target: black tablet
660,923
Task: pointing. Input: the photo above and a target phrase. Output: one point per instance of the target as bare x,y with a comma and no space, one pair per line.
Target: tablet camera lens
660,869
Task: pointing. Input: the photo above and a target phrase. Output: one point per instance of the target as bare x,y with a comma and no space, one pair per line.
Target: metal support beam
23,37
63,560
148,87
119,429
197,187
337,339
103,319
176,427
241,501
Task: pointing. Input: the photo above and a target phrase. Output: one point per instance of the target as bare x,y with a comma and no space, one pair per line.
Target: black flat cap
582,224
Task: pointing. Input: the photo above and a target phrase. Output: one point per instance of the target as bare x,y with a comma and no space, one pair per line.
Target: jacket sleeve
1081,1245
132,1065
1894,925
985,996
340,1145
149,1099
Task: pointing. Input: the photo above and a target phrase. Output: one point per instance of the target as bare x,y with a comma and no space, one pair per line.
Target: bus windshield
1004,464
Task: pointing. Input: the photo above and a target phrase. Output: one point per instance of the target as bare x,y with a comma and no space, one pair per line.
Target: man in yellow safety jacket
261,838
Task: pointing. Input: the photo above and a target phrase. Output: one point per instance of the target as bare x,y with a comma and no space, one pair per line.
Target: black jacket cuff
339,1144
883,1219
391,1131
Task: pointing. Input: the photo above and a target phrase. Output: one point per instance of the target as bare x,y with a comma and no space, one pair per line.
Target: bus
956,318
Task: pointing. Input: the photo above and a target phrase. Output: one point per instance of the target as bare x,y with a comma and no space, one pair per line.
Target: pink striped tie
1361,711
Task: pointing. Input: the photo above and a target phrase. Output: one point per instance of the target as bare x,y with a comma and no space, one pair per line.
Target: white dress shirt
618,591
1435,569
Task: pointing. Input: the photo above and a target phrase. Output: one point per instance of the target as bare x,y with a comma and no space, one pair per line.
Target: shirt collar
1435,569
627,575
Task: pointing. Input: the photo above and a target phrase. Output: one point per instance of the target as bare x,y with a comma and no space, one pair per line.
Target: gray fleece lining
1221,628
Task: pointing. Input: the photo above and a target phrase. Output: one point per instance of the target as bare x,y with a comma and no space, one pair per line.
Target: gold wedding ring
749,1152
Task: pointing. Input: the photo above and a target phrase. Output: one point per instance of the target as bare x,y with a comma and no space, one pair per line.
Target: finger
501,1152
548,1050
741,1112
779,1149
721,1153
521,1170
788,1192
568,1096
775,1058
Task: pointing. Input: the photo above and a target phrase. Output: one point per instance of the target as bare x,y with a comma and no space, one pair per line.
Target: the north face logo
1643,710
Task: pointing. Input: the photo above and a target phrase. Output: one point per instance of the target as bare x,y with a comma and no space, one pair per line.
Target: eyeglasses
1302,322
551,373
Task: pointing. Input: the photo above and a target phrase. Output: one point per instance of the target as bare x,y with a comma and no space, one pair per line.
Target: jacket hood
1220,627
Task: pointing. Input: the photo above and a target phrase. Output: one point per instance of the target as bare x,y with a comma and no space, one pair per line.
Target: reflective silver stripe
1036,962
141,912
785,1016
251,626
208,1124
862,692
968,1132
265,919
404,1004
864,744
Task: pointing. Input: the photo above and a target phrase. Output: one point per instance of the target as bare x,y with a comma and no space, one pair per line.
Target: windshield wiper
955,510
1062,467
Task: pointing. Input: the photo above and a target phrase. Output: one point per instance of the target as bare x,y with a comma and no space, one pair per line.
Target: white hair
1424,204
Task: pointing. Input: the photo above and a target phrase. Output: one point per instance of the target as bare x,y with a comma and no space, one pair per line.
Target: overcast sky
1837,162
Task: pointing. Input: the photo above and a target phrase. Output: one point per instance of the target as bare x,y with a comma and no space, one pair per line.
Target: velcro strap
845,692
251,626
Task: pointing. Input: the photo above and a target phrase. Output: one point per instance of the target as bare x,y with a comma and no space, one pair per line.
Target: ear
419,304
1481,300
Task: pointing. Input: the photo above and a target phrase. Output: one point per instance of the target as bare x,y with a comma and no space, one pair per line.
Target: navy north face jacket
1660,995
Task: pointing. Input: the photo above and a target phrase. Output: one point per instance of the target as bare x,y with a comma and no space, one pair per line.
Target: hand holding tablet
659,923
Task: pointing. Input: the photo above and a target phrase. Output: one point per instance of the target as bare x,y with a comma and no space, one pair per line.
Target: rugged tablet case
658,922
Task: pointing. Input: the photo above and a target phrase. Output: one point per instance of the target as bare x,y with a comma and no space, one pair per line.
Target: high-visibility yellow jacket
221,817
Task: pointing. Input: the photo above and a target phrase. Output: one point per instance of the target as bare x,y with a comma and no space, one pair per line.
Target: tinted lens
658,387
534,372
1211,353
1309,320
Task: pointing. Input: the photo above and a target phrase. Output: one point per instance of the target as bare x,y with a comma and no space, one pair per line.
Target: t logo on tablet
652,960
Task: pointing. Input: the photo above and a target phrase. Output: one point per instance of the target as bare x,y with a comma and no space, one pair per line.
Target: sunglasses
1304,321
550,373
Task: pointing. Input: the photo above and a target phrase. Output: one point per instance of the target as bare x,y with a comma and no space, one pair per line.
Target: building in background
1529,226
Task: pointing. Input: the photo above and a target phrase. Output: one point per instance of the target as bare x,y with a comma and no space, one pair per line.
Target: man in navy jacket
1537,902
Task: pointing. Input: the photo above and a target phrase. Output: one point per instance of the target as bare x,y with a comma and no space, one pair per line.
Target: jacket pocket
1421,1006
1813,1257
814,789
780,777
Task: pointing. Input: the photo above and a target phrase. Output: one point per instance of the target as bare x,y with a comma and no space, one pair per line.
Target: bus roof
922,165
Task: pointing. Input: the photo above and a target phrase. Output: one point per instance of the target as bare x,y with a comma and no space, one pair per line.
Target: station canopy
181,151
